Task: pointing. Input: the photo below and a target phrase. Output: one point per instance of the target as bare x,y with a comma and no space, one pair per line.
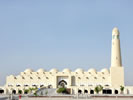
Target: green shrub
62,90
35,94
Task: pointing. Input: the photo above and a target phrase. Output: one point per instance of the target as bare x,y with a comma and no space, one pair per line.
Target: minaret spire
116,50
116,69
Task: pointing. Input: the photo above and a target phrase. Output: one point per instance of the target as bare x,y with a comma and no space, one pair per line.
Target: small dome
105,70
19,77
11,76
92,70
67,70
79,70
115,31
21,73
54,70
41,70
28,70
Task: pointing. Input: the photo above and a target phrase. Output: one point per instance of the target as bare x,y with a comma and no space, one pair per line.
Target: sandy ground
76,99
5,97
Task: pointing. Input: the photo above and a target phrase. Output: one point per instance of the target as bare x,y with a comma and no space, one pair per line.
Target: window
9,85
103,77
34,85
87,77
106,85
26,85
117,36
15,78
113,36
90,85
41,85
95,77
82,85
17,85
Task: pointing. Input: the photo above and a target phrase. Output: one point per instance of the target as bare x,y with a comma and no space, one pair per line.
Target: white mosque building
78,81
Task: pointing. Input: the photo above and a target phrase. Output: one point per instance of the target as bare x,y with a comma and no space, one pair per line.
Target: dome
67,70
53,70
21,73
41,70
11,76
79,70
20,76
28,70
115,31
92,70
105,70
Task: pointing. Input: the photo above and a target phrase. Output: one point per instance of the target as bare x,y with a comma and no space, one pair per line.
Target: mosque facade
78,81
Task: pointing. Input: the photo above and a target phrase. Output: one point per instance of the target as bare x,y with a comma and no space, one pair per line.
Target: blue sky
63,34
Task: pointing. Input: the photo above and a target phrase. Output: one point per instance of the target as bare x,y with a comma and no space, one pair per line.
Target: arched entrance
79,91
50,86
62,83
107,91
20,91
128,92
14,92
91,91
116,91
1,91
85,91
25,92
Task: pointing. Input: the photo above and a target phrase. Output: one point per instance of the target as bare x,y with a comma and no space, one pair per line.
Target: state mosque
78,81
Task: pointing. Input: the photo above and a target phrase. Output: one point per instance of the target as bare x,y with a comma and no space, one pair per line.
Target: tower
116,51
116,70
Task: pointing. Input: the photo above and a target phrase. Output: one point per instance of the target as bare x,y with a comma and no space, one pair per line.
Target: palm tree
98,89
30,90
122,89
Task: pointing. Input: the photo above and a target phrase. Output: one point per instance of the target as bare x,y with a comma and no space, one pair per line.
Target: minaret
116,69
116,50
